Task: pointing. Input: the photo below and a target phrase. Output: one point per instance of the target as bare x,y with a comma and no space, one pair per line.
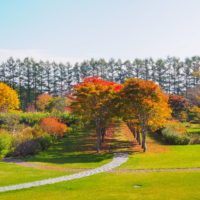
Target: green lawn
74,151
13,174
108,186
185,156
78,151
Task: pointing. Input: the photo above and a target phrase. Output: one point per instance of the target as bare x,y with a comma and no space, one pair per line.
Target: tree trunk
134,132
98,140
144,146
103,133
138,136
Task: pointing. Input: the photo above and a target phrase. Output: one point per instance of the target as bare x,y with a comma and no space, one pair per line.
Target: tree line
31,78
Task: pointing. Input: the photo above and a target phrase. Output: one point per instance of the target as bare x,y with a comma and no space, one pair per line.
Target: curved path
119,158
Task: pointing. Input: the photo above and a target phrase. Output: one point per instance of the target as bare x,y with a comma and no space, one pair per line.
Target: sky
75,30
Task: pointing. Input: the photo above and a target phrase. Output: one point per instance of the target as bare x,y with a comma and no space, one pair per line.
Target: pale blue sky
81,29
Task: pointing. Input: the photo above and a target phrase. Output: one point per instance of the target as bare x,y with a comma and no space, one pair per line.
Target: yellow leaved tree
9,99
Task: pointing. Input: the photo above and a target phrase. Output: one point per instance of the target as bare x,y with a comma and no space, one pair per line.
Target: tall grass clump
174,137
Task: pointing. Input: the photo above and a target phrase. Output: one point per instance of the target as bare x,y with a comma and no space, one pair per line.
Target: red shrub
53,126
178,104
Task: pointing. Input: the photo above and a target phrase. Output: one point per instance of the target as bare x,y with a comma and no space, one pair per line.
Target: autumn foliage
145,105
142,104
93,101
53,126
178,104
31,108
43,101
9,99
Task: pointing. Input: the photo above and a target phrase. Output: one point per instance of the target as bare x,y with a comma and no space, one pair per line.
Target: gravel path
119,158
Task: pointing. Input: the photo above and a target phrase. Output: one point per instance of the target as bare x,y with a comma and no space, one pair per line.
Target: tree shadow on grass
121,146
72,149
73,158
80,148
157,138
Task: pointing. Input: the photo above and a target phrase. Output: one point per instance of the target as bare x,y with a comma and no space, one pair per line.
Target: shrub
26,133
33,132
53,126
176,126
11,122
195,140
32,146
5,143
30,141
184,116
173,137
45,142
195,114
28,147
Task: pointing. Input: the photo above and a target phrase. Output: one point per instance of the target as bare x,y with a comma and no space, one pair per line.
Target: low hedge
33,118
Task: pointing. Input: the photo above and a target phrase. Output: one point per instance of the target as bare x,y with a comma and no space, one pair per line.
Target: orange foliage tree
43,101
9,99
178,105
53,126
93,101
144,102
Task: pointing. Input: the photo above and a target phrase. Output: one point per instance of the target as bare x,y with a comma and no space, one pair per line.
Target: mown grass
13,174
164,156
107,186
78,151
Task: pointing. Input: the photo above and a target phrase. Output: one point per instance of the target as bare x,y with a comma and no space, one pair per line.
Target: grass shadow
80,147
74,148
